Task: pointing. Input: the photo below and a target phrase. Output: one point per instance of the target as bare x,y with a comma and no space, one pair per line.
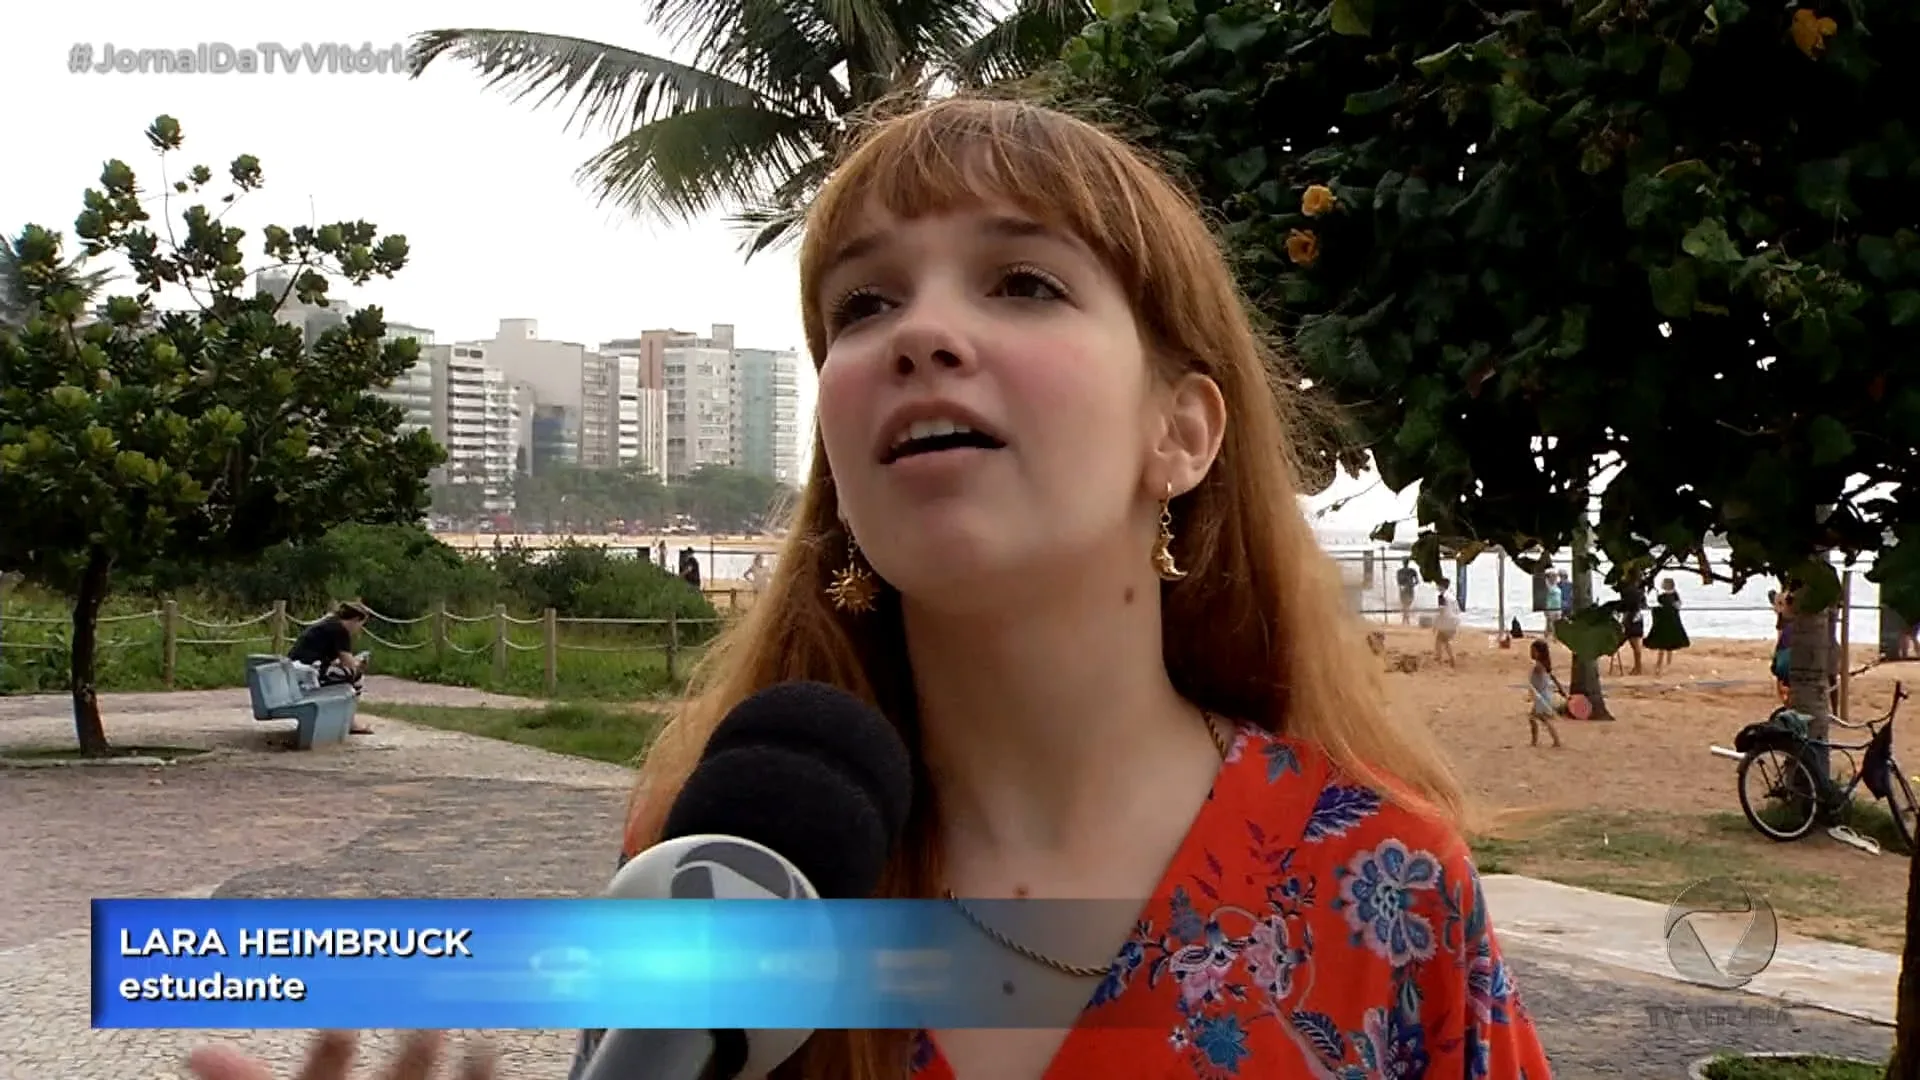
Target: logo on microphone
1726,911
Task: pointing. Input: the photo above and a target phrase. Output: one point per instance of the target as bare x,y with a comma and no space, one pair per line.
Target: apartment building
476,419
554,373
626,407
412,390
766,413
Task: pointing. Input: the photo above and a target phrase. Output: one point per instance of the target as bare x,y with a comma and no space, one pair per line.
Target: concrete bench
324,715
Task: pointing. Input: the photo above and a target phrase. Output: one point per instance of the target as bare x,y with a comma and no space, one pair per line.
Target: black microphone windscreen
811,772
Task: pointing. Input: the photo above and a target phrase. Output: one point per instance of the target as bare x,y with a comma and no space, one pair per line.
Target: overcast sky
483,187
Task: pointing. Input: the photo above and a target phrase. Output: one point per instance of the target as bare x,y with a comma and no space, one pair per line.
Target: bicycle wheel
1778,795
1906,813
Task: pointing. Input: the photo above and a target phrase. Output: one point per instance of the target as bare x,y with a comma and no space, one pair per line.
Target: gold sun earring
1163,563
853,590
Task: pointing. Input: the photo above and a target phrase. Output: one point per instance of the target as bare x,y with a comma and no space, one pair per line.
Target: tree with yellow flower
1658,255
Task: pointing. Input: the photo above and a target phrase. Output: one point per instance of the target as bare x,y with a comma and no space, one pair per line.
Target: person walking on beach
1542,683
1446,623
1408,579
1669,634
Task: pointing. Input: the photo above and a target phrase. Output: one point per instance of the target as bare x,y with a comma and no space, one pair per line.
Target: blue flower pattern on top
1311,928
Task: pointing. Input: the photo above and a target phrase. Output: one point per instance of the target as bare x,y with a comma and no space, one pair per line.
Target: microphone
801,793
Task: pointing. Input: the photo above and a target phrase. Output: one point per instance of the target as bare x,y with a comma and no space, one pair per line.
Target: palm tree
754,121
23,258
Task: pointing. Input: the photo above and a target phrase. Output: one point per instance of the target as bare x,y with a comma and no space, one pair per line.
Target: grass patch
1655,856
1735,1067
599,732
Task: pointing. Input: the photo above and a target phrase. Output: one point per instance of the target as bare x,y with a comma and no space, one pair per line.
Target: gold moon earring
1163,563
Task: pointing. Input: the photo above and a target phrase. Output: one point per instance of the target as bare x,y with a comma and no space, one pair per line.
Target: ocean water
1707,608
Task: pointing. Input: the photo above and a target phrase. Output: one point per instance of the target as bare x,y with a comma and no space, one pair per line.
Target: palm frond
688,163
1032,36
777,219
616,87
767,43
22,288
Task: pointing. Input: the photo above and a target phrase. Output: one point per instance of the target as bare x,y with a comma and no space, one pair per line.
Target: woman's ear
1193,423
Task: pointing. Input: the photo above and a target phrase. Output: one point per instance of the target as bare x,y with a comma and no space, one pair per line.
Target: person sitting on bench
326,647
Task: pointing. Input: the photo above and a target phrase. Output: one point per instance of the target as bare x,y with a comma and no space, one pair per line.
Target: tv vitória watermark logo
1707,959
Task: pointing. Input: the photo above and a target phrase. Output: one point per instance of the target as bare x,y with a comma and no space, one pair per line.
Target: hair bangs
963,154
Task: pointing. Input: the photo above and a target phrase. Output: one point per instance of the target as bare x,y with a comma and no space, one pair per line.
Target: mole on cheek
1127,597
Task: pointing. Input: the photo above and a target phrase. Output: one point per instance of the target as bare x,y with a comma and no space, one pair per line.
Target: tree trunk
86,628
1808,683
1585,678
1905,1064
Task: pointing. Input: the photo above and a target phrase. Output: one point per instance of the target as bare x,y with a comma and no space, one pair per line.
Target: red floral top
1306,928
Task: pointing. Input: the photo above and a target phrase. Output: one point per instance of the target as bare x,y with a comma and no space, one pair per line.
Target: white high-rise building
413,389
699,389
627,407
475,419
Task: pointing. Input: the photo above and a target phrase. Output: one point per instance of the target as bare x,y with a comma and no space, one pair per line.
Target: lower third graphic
1717,900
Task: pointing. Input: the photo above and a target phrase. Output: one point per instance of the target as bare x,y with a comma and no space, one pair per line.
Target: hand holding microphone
801,793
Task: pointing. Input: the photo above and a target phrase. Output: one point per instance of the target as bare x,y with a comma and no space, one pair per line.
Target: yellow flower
1318,200
1811,31
1303,247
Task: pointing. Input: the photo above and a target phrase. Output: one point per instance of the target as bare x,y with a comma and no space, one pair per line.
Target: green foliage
578,580
153,437
1675,235
398,570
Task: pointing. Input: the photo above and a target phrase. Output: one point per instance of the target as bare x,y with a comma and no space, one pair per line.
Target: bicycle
1791,797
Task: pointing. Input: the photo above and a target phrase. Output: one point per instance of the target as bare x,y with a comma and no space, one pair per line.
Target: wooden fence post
500,641
279,624
673,644
553,653
440,630
169,641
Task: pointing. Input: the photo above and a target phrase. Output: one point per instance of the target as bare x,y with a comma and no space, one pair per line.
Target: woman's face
987,406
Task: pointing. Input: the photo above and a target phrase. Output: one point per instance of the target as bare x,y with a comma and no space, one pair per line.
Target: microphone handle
702,867
656,1054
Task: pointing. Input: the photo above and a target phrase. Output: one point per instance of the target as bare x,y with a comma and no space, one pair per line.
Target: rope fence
280,626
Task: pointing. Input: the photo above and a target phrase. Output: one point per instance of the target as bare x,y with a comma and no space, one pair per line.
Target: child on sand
1446,623
1539,683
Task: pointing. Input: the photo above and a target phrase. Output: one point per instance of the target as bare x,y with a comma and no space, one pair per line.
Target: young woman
1669,634
1052,533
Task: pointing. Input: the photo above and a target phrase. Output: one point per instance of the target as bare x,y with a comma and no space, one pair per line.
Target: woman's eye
857,305
1026,283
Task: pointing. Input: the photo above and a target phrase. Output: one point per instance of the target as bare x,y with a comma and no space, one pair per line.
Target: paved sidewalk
1625,932
411,811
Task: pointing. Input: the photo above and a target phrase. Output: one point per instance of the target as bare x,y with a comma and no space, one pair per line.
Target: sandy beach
1647,783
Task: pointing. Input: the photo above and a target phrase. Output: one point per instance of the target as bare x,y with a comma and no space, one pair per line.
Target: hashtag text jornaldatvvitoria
222,58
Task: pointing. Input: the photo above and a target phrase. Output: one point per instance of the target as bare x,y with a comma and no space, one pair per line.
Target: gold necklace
1079,971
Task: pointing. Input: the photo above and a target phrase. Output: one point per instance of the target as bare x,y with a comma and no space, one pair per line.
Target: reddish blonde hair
1255,631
